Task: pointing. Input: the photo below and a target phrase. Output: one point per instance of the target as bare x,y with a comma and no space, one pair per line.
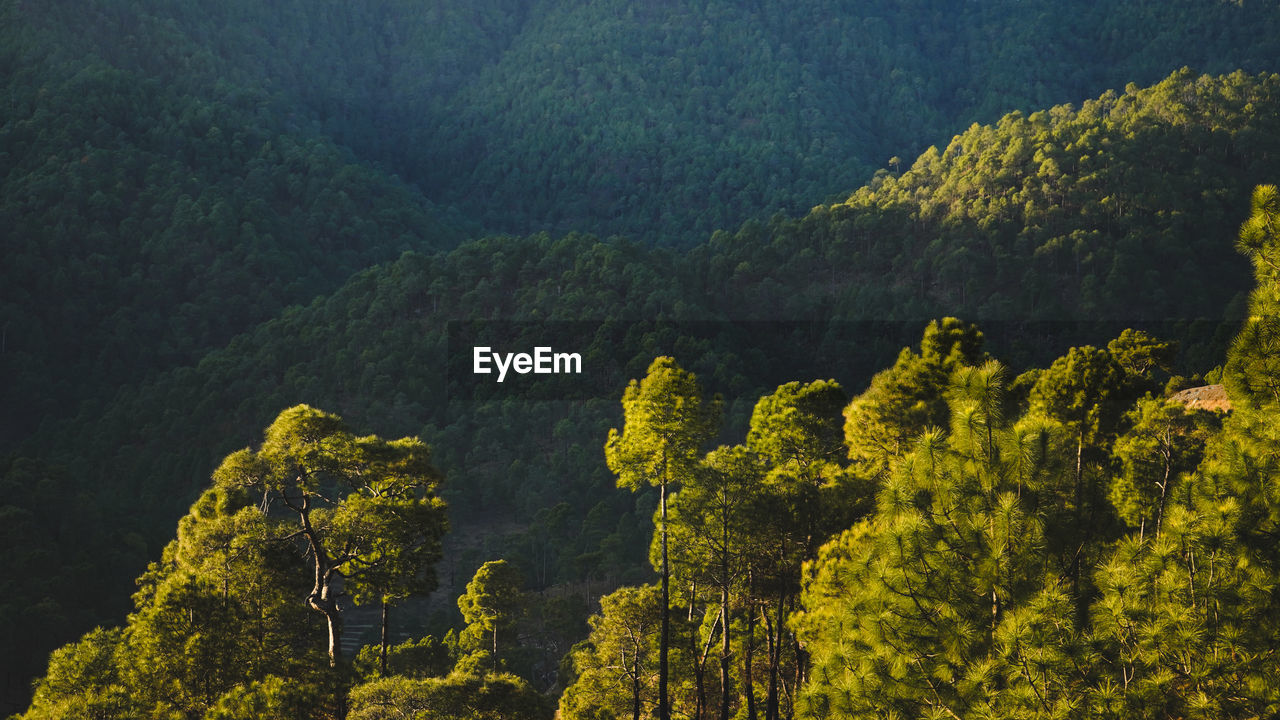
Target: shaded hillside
150,218
984,229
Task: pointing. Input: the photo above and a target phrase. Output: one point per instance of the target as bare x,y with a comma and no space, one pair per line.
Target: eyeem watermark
543,361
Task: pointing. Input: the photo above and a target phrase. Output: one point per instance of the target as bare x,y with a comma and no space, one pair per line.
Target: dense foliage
746,310
174,174
665,121
187,188
1045,555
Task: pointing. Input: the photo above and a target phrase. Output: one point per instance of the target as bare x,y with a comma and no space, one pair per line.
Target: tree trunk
748,679
775,671
495,645
802,663
326,605
321,598
1164,493
774,635
724,611
699,672
664,707
382,655
635,686
724,652
1076,562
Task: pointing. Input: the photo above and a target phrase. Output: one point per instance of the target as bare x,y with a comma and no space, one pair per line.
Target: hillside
174,174
149,218
985,228
668,121
212,212
1041,219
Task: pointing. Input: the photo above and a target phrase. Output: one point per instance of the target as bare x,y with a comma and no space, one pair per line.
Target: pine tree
1178,621
906,399
807,495
494,600
615,669
1164,442
1084,391
666,423
1245,458
941,603
708,528
365,508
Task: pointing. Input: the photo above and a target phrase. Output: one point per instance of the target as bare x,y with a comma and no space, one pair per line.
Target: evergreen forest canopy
190,171
188,189
1067,542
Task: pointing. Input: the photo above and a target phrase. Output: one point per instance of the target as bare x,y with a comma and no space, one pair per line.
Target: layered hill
669,120
174,173
180,181
1059,227
1121,211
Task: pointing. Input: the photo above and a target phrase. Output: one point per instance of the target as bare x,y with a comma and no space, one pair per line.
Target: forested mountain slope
163,154
1065,541
175,173
670,120
150,215
162,157
1118,212
1056,228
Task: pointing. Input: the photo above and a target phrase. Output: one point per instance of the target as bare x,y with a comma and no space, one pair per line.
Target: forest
955,540
850,441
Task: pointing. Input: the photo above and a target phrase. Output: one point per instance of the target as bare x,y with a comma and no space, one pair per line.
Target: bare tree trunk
748,679
322,597
382,656
635,686
801,663
664,706
775,656
699,657
1076,561
495,645
699,672
326,605
775,671
1164,493
724,652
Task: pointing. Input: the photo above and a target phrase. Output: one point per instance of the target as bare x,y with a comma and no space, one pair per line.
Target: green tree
494,600
421,658
184,649
456,697
614,671
806,495
1084,391
939,605
1244,458
217,611
708,530
665,424
904,400
1181,623
1164,442
348,496
1140,355
271,698
83,682
228,546
1080,390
